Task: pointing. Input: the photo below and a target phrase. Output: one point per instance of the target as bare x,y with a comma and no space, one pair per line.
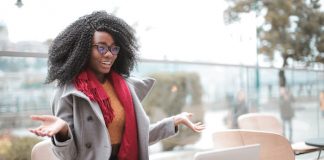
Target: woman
97,109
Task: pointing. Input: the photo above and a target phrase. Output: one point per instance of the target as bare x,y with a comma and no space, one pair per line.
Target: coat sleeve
162,129
63,108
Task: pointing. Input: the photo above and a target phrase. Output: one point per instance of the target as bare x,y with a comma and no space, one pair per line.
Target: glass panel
216,94
22,91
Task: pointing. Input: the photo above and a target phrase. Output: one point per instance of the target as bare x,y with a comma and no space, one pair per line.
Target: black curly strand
70,51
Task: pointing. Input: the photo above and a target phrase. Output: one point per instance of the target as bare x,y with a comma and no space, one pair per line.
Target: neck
100,77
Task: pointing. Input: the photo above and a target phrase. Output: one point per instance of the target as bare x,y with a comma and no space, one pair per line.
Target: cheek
93,61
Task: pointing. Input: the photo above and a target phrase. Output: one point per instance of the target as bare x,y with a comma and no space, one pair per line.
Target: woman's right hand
50,126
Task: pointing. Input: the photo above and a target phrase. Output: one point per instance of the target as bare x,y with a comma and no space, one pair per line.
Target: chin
105,71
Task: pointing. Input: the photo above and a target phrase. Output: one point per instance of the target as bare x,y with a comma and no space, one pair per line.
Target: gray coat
89,137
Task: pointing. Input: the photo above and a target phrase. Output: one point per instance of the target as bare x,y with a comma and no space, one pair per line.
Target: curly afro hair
69,54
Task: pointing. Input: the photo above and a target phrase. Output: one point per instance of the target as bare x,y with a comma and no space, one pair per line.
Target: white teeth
108,63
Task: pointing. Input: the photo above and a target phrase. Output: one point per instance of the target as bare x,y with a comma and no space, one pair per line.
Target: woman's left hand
184,118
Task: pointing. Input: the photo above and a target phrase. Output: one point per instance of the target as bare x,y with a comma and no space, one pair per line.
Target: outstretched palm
50,126
184,118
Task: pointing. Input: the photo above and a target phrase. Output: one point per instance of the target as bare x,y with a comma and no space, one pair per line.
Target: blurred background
216,58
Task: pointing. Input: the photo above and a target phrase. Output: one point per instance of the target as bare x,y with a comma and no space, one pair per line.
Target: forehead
103,37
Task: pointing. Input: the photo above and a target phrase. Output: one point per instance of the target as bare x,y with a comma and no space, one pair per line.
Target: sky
185,30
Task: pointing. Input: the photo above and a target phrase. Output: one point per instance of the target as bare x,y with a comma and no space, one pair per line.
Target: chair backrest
43,150
248,152
260,122
273,146
270,123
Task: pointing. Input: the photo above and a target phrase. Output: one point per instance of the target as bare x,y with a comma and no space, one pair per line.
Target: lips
106,62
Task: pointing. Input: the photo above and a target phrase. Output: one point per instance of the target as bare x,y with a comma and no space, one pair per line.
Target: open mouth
106,63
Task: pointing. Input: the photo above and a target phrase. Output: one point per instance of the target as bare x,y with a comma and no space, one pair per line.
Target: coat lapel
139,89
143,126
70,89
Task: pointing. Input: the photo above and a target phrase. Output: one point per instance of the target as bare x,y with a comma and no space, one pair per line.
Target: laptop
247,152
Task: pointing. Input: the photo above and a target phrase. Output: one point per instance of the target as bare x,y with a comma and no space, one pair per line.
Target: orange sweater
116,127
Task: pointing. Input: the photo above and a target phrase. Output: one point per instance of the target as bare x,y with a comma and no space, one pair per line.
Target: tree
293,28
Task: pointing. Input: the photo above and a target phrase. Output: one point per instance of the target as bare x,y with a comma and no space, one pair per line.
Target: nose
108,54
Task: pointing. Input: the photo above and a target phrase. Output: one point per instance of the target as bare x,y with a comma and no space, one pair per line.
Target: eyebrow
105,43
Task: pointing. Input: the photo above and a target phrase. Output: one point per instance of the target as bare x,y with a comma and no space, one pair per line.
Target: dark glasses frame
103,49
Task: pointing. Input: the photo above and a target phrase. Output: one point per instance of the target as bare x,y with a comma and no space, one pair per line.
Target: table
317,142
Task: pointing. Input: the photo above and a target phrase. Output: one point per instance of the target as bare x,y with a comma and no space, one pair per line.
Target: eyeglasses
103,49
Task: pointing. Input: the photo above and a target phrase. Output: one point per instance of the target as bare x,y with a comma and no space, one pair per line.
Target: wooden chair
260,122
270,123
273,146
43,150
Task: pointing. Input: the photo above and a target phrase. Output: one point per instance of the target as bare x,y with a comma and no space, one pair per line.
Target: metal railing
23,92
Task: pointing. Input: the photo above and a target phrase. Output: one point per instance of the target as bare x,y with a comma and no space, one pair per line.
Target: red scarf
87,83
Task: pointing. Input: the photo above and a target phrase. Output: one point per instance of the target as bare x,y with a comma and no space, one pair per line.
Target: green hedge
16,148
174,93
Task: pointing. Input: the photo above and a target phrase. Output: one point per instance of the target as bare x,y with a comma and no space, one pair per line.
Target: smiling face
99,63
